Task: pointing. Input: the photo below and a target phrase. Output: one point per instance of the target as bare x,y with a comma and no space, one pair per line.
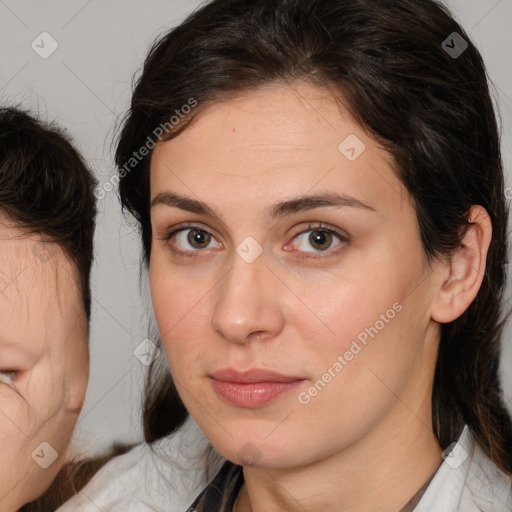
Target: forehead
275,121
37,281
279,140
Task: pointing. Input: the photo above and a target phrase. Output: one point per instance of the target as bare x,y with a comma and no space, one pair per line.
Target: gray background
85,85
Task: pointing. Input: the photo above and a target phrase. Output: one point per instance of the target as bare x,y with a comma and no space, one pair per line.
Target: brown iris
320,239
199,237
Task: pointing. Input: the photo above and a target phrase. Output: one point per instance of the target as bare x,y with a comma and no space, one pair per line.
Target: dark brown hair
431,109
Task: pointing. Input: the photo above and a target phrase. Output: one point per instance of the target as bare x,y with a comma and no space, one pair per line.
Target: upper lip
252,375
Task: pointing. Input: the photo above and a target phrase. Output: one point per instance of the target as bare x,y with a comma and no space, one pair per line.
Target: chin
258,450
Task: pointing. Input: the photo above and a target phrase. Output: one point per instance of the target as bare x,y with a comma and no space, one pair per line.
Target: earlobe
461,278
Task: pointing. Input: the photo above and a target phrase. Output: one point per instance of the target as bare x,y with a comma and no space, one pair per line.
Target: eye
320,238
8,376
191,239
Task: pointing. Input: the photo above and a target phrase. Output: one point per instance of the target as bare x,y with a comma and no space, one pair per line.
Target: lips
252,388
254,375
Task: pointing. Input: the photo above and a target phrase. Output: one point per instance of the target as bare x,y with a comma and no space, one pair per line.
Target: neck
355,479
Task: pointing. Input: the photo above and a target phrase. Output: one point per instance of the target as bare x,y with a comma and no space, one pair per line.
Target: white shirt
146,480
164,477
467,481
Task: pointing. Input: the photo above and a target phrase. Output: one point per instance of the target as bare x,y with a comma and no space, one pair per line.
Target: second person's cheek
43,392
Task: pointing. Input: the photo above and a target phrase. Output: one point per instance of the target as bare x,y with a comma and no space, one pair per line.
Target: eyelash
311,227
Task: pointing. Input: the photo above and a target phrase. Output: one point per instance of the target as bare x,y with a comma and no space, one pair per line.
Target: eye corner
7,376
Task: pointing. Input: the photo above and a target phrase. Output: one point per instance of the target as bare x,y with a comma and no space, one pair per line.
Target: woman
47,212
324,225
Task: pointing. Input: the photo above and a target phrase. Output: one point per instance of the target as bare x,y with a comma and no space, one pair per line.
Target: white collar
467,481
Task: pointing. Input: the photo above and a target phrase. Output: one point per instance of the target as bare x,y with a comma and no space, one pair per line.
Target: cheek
340,312
40,396
75,353
349,299
163,290
371,356
75,397
177,295
176,304
15,416
365,336
44,390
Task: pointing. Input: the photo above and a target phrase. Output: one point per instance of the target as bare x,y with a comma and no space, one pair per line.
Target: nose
247,302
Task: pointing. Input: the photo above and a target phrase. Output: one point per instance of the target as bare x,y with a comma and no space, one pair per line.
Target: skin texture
44,338
367,433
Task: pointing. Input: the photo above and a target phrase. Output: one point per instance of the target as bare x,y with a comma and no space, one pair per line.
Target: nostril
258,335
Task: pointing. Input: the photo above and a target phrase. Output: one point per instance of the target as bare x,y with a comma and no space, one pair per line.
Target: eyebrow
302,203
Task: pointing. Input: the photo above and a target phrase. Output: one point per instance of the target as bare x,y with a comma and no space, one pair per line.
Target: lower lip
252,394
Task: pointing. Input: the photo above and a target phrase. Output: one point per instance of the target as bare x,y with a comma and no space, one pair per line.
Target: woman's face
284,243
44,339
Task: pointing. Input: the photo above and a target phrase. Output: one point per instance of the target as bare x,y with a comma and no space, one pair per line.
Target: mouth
252,388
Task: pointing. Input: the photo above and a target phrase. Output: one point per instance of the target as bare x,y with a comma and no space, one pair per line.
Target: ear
462,275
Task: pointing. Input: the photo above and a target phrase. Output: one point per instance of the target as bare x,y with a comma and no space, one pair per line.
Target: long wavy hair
431,108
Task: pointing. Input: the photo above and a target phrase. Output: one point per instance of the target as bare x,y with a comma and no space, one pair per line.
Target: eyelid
169,233
320,226
17,355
